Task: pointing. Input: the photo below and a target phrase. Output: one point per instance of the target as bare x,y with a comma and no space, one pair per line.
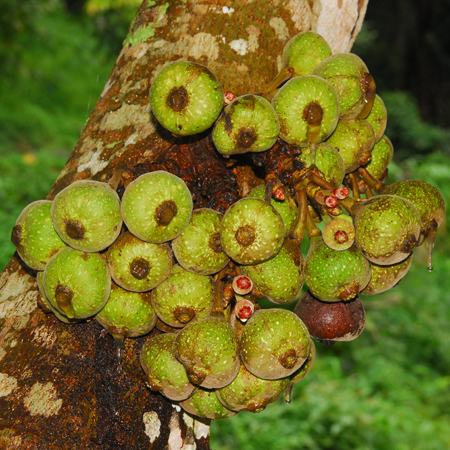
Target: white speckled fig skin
387,229
203,94
183,297
378,117
86,215
260,223
198,248
84,276
137,265
248,124
280,278
335,275
382,154
34,235
204,403
274,343
126,313
287,208
209,351
386,277
292,99
249,393
164,372
145,198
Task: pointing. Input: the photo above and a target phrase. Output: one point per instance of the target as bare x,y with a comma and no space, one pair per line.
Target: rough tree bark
60,386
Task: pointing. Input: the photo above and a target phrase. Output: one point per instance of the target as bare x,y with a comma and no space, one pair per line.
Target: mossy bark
60,385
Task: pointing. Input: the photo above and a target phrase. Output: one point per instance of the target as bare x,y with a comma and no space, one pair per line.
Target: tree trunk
60,385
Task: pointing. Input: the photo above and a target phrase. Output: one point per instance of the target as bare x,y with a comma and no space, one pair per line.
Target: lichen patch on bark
22,305
7,384
152,425
43,400
300,11
44,336
280,28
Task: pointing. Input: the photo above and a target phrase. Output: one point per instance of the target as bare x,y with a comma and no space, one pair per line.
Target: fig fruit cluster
150,259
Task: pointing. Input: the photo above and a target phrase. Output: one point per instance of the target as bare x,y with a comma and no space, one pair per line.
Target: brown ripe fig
331,322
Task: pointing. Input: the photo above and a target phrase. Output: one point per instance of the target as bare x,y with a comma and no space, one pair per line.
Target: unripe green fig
205,404
77,283
86,215
164,373
274,343
182,297
157,207
308,108
136,265
335,275
34,235
249,393
251,231
378,117
248,124
198,248
382,154
304,52
186,98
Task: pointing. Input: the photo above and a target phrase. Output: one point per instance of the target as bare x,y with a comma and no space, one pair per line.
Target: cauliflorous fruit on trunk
287,208
249,393
157,207
331,322
204,403
382,154
248,124
209,351
77,283
378,117
251,231
183,297
34,235
335,275
308,108
198,248
186,97
304,52
164,373
137,265
280,278
387,229
86,215
386,277
274,343
339,234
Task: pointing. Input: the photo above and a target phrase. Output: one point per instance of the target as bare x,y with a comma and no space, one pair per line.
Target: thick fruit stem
178,98
166,212
139,268
75,230
370,88
63,297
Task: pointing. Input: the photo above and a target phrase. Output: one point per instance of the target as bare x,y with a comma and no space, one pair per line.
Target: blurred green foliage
387,390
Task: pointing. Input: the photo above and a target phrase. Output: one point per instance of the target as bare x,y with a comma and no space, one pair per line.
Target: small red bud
341,192
244,309
331,201
279,194
341,237
242,284
229,97
335,211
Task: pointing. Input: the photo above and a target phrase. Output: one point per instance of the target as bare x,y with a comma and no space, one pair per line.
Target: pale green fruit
249,393
304,52
157,207
248,124
34,235
335,275
345,72
86,215
209,351
204,403
378,117
186,97
328,160
251,231
293,101
352,138
386,277
128,314
77,283
287,208
137,265
198,248
274,343
280,278
182,297
164,373
387,229
382,154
